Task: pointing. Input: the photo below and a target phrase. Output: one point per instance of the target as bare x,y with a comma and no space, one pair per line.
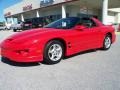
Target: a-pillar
104,11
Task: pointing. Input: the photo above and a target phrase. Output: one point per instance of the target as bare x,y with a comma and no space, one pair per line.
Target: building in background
55,9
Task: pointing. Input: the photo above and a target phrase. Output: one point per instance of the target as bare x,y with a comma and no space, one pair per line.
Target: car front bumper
33,55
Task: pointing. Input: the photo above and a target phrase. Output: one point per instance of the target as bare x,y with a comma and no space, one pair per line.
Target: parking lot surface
91,70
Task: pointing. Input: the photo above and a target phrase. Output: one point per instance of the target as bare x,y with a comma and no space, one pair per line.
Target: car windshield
66,23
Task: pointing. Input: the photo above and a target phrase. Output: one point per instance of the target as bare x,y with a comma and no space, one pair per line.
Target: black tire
14,30
47,59
105,47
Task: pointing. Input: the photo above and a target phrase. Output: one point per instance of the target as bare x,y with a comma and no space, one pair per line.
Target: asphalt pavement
91,70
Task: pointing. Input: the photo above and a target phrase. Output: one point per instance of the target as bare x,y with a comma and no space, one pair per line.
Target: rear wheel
107,42
54,52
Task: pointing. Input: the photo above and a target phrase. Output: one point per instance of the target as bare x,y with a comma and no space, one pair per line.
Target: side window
87,22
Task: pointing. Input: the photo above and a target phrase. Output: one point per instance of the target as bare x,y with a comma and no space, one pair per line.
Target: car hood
30,35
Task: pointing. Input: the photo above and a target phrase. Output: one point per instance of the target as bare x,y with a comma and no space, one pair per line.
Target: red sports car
61,38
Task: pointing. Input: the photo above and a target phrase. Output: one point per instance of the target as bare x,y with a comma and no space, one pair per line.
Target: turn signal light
23,52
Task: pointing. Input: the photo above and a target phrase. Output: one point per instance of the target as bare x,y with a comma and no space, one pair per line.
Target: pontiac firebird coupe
61,38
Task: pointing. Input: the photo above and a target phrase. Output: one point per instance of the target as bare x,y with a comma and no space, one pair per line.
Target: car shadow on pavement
82,53
7,61
18,64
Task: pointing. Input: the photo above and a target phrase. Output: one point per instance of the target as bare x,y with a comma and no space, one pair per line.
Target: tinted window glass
66,23
87,22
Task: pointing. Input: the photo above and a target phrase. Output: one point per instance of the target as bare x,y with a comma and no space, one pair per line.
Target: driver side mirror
80,27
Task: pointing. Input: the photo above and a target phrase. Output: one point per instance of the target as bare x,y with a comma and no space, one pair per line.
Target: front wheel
107,42
54,52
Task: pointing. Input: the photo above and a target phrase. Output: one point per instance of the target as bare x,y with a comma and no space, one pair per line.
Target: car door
88,38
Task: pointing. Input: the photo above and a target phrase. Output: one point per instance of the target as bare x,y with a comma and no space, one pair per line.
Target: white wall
117,18
18,8
73,10
110,19
50,11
